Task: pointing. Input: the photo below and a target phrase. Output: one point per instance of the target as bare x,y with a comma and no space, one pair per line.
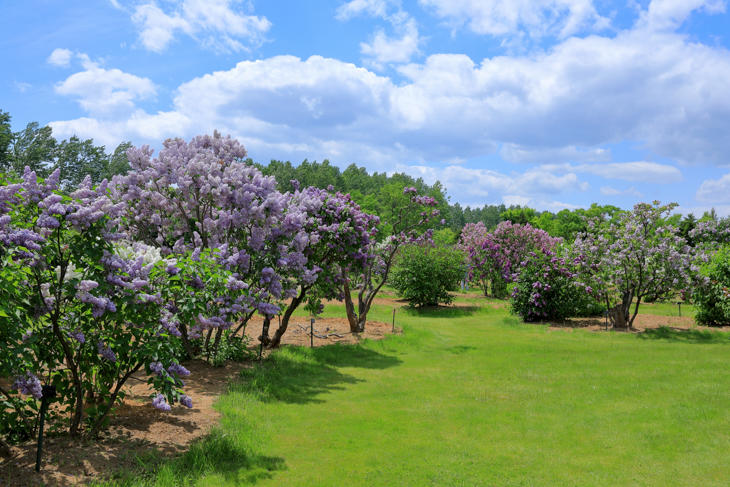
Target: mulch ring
138,431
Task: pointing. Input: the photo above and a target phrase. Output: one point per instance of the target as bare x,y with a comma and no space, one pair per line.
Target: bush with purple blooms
546,290
84,311
408,218
495,258
712,297
639,256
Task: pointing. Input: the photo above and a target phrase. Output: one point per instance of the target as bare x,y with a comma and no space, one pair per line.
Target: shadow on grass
683,335
217,454
298,374
456,311
460,349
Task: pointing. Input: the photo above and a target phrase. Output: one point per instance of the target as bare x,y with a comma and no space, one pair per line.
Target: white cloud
373,8
383,49
216,24
656,89
106,92
479,186
60,57
22,86
714,190
535,18
640,171
669,14
548,155
610,191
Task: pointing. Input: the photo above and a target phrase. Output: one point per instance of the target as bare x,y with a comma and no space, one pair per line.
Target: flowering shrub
712,298
332,234
495,259
87,313
639,256
406,220
546,290
199,196
424,274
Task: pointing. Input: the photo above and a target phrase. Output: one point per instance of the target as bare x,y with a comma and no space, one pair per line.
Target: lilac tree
472,242
496,258
88,315
405,216
333,235
199,197
641,255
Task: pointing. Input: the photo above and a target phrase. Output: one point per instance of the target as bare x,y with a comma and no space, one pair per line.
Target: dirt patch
336,330
136,430
138,433
643,322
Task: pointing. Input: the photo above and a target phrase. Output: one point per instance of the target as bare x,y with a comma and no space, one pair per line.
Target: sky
547,103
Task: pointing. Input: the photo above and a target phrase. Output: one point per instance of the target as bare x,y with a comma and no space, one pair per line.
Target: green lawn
473,397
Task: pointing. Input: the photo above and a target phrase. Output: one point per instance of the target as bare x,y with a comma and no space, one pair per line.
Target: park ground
465,395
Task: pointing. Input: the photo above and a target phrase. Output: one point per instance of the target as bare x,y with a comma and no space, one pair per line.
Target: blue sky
550,103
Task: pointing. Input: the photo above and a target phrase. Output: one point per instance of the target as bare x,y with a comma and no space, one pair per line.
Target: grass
473,398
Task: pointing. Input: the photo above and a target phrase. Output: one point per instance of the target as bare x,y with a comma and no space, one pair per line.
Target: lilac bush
88,316
197,197
407,220
546,289
333,235
495,258
641,255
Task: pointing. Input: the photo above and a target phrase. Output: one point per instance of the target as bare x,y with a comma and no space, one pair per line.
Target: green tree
425,275
6,139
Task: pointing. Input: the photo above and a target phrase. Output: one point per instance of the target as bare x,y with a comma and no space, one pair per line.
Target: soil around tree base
140,433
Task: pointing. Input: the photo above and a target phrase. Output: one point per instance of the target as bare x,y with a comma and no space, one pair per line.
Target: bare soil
642,323
139,433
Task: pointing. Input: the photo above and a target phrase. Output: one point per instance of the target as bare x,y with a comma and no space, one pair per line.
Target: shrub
546,290
424,275
712,299
85,313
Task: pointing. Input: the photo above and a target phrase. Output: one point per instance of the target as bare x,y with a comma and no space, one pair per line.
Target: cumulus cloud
478,186
217,24
534,18
543,155
610,191
383,49
373,8
715,190
105,92
669,14
60,57
640,171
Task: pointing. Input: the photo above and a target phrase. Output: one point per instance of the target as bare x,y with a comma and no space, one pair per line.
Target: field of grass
471,396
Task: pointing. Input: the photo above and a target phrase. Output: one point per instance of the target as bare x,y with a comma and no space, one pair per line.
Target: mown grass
473,397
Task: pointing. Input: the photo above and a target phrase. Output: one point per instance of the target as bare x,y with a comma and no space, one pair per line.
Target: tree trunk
264,338
618,318
295,302
4,449
349,305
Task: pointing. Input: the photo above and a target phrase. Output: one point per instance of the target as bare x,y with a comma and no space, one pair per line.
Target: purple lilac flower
105,351
160,403
29,385
157,368
178,370
78,336
186,401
